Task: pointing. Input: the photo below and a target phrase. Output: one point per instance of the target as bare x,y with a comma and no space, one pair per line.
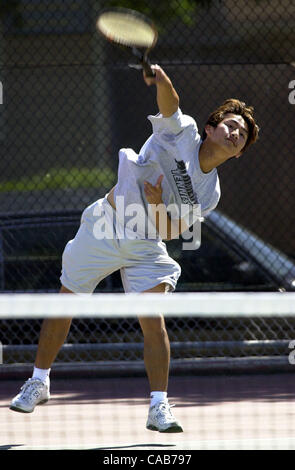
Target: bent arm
167,228
167,97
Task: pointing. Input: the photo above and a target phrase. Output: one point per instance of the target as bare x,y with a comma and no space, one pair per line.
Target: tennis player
175,168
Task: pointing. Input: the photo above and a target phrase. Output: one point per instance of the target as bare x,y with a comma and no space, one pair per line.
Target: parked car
230,258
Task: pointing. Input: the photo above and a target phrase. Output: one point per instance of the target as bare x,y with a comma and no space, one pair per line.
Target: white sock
158,396
41,374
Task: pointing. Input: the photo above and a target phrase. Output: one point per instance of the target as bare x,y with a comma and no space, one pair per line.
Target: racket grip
147,67
148,70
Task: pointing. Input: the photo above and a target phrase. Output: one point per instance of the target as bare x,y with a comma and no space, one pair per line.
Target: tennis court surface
227,412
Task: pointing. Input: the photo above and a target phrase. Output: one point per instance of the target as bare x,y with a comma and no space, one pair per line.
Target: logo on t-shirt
184,183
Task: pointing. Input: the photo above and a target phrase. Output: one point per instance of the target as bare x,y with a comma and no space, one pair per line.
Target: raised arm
167,97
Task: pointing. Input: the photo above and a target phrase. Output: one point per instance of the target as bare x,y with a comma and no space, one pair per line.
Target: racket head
127,27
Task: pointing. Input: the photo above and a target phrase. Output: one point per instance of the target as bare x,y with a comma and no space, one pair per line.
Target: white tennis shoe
161,419
33,392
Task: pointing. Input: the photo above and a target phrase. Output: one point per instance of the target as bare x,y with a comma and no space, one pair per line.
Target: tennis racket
132,29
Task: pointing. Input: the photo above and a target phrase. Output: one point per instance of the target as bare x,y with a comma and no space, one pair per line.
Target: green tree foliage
163,11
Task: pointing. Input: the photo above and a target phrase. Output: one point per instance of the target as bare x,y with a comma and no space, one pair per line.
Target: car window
30,255
30,260
217,266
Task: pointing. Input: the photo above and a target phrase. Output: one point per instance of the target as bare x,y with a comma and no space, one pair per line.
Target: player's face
230,134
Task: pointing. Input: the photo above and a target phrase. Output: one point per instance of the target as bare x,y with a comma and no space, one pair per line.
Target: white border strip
130,305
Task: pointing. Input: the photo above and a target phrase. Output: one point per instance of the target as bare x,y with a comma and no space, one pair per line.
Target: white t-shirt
171,150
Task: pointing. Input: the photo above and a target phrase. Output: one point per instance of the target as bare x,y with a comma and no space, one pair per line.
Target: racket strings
126,30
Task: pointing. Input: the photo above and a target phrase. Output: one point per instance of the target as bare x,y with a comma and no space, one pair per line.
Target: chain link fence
69,102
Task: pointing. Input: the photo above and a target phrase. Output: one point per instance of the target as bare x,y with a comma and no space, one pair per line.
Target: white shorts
87,260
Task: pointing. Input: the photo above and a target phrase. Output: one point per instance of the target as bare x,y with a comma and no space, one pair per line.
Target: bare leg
52,336
156,348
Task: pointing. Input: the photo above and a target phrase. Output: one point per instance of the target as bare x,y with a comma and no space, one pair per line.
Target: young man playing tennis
174,166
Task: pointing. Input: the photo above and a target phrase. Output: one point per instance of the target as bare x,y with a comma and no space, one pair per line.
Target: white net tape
130,305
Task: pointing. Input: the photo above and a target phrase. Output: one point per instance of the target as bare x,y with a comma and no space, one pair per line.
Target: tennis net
231,373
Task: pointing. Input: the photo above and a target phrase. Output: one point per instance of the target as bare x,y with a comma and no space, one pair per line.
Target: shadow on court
197,390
